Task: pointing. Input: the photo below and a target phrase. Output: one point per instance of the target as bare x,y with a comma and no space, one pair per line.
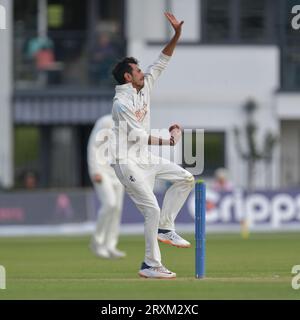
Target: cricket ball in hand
175,126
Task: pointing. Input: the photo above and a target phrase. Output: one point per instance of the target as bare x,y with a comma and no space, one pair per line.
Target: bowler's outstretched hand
174,22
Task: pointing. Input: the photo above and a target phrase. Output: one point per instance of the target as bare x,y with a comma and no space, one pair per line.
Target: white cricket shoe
156,272
174,239
99,251
117,254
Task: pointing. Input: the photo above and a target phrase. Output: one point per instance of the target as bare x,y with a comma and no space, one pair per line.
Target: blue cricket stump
200,210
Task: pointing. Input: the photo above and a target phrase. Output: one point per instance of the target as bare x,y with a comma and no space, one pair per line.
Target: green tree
250,154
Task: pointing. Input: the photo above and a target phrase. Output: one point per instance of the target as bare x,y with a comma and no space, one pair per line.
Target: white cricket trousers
110,192
139,180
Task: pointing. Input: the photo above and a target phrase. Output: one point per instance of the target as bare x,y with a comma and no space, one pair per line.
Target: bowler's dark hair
122,67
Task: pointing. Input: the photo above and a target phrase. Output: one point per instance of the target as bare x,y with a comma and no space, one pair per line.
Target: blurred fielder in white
109,191
131,106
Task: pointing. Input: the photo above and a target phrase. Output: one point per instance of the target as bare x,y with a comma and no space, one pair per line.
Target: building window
214,151
26,154
237,21
217,20
106,41
290,48
252,20
67,43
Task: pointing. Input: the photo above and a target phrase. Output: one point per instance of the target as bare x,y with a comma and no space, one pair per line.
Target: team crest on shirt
132,179
141,113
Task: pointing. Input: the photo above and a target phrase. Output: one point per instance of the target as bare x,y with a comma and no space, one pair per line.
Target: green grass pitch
63,268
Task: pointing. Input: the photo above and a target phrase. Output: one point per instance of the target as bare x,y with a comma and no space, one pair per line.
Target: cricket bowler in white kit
109,191
131,105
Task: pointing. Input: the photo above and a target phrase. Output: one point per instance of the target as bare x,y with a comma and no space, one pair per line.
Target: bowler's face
137,77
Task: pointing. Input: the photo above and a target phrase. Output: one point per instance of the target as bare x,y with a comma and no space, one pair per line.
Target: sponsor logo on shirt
141,113
132,179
